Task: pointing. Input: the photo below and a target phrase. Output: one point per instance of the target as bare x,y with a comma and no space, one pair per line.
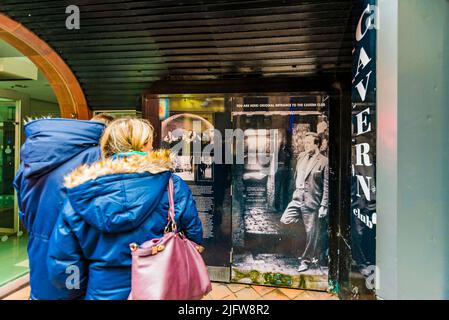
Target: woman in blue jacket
116,201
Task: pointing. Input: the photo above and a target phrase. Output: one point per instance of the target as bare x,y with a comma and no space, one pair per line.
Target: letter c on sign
370,22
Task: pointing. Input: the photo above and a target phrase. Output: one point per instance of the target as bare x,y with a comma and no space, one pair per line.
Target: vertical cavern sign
363,188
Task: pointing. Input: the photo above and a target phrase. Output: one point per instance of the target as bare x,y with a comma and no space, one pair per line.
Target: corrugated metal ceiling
123,47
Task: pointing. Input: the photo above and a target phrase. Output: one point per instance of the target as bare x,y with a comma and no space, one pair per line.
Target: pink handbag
168,268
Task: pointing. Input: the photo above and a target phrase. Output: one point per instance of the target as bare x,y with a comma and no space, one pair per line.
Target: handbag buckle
169,226
156,249
200,249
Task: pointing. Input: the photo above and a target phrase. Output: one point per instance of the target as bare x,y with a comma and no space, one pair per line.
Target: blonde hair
104,118
126,134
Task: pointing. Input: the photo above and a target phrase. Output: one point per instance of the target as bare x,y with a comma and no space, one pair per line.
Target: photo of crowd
179,133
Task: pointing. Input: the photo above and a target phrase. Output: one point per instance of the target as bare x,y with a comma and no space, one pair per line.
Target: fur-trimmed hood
154,162
118,195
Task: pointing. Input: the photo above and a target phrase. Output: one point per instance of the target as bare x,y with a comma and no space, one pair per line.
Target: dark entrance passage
127,55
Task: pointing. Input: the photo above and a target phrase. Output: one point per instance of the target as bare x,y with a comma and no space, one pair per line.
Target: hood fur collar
155,162
31,119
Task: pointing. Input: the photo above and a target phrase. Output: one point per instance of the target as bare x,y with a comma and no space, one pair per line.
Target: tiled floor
233,291
22,294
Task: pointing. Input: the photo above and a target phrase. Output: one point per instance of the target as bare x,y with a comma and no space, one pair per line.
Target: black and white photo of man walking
310,199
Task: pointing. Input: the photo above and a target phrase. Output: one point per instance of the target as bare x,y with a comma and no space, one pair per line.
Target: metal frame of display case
123,112
15,228
338,90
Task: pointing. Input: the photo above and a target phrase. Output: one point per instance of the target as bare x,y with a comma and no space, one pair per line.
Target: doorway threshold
14,285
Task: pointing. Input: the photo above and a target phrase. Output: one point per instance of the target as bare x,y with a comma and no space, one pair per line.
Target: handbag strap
171,206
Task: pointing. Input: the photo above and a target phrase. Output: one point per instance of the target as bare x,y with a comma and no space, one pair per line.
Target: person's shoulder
178,181
323,159
68,213
301,155
179,184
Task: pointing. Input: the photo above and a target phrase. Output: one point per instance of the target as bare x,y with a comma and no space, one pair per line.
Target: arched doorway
64,83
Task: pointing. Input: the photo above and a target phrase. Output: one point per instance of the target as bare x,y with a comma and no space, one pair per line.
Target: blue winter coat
52,149
110,205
